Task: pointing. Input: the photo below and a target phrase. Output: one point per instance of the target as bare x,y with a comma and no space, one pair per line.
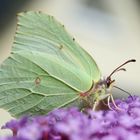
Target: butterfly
48,69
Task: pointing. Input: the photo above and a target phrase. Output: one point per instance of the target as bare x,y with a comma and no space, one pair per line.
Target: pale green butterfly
47,69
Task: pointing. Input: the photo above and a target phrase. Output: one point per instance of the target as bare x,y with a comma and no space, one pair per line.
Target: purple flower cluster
71,124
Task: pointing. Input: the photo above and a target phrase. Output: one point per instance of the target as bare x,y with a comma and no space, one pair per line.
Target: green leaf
47,69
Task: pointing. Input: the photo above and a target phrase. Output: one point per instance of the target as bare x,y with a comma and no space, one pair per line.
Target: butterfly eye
109,82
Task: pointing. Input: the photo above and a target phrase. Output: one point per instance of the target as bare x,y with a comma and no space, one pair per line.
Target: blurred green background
108,29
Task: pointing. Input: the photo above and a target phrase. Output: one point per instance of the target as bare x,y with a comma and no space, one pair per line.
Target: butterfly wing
46,69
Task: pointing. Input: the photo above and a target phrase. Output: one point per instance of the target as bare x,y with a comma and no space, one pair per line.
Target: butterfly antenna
123,91
122,69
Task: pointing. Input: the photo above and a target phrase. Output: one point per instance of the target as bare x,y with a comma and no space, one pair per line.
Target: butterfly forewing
46,69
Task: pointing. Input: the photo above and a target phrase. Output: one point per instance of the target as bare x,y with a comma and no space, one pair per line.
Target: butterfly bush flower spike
71,124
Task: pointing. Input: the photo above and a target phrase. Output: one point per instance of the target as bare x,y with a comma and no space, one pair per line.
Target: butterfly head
108,82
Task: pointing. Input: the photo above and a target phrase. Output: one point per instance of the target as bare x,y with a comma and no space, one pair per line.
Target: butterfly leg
95,105
110,98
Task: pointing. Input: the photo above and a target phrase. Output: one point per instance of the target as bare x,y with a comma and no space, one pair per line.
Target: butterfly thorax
98,91
104,84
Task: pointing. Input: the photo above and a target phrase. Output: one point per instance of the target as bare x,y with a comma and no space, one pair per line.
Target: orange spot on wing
37,80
